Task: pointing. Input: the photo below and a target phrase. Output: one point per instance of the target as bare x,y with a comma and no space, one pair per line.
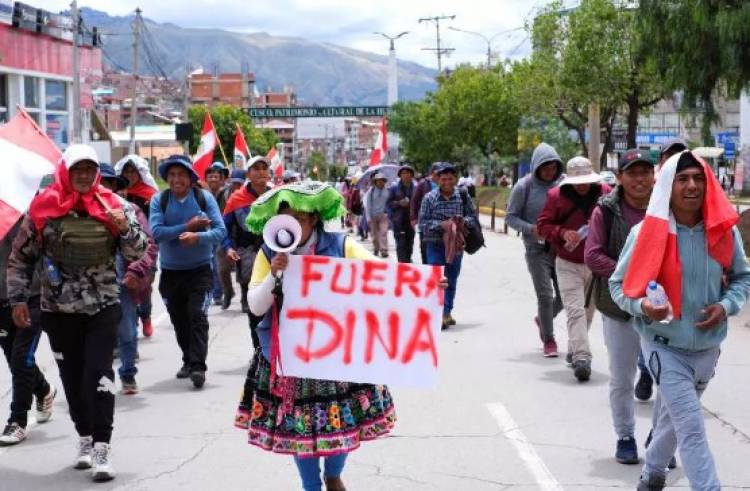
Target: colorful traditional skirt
326,417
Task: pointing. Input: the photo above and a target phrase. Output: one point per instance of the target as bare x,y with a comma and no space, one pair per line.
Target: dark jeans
404,244
19,347
82,346
436,255
541,265
422,249
187,294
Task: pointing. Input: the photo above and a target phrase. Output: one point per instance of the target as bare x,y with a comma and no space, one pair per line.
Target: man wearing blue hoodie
682,352
187,224
526,202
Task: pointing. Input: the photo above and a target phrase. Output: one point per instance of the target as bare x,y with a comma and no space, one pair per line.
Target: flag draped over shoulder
27,156
656,255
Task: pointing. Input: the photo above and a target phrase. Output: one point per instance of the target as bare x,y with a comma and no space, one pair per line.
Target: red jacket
560,214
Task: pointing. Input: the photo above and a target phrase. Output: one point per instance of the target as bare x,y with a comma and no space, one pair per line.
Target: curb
487,210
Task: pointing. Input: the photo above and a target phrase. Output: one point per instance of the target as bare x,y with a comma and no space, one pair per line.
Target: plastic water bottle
53,274
658,298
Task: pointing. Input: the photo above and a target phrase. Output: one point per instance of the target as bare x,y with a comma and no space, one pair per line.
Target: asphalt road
503,417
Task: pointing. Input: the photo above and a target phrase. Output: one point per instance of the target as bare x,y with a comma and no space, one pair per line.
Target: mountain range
319,73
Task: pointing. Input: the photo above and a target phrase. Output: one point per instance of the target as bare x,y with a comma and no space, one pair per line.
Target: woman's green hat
307,197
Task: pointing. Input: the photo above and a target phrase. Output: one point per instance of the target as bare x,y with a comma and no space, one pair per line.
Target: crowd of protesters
81,263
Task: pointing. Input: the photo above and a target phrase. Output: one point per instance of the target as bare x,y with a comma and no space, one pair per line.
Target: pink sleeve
595,253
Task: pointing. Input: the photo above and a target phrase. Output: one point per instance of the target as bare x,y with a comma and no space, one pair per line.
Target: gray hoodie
530,193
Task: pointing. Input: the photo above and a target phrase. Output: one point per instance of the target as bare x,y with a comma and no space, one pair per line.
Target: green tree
701,47
226,118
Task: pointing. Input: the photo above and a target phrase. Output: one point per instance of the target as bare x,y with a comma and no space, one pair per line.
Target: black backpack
475,237
197,192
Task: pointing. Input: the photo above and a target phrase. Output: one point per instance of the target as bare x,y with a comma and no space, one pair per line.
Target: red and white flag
657,256
381,145
27,156
277,165
204,157
241,151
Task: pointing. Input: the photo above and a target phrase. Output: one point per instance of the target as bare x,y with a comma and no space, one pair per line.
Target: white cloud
350,24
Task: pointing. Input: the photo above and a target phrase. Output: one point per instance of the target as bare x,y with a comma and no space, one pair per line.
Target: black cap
631,157
674,145
446,168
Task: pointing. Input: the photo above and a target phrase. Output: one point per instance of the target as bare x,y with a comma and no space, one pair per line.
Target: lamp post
486,39
392,67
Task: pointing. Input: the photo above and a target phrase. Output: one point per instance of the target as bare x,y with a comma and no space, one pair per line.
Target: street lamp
486,39
392,69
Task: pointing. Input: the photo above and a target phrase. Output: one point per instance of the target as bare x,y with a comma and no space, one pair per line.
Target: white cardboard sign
365,321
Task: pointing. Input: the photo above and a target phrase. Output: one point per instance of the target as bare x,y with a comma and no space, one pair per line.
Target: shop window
57,128
31,92
56,95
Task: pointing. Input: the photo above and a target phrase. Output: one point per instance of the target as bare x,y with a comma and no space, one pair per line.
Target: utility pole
185,105
486,39
594,136
76,74
133,102
439,50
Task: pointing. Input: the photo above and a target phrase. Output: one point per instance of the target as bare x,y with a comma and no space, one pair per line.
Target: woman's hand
279,263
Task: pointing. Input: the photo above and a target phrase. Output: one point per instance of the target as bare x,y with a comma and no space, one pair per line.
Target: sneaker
672,462
102,469
148,328
384,254
44,406
446,323
451,320
129,386
645,386
85,447
582,370
627,451
653,483
13,433
198,377
550,348
183,372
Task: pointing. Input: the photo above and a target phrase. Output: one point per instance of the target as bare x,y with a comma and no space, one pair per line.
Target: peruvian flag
27,156
277,165
241,151
381,145
204,157
657,256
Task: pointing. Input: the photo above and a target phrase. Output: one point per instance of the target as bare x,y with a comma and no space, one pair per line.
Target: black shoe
627,451
569,359
644,389
226,302
198,377
672,462
653,483
582,370
245,307
184,372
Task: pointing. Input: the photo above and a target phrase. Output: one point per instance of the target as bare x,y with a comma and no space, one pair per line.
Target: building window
57,128
31,93
56,95
3,98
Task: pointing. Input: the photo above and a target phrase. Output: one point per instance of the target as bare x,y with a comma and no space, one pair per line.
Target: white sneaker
83,459
44,406
12,434
102,469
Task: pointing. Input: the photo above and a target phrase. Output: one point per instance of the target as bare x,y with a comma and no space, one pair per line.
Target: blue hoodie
167,227
530,193
701,286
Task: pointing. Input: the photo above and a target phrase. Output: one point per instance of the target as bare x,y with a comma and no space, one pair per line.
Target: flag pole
226,162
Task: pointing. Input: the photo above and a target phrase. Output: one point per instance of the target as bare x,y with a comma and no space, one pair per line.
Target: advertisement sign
365,321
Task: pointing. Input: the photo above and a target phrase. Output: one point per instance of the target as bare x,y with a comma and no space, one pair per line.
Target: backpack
475,236
81,242
198,193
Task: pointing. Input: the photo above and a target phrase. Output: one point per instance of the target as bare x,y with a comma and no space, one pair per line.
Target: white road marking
526,451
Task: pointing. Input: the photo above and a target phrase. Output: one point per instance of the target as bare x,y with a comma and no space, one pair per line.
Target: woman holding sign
307,418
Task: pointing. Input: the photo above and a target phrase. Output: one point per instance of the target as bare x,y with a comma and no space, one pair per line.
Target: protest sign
364,321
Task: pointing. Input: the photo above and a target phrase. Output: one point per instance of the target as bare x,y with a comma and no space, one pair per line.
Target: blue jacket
167,227
701,286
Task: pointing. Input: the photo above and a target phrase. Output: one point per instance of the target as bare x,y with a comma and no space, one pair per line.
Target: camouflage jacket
82,290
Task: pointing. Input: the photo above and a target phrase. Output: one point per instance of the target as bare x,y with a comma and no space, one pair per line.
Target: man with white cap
75,227
563,223
376,203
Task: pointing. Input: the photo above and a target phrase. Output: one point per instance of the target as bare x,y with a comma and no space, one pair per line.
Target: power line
440,51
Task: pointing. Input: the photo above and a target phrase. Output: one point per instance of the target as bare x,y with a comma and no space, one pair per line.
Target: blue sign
652,138
725,137
730,150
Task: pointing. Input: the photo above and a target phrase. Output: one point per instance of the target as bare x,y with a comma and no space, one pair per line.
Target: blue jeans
436,255
682,377
127,335
216,292
144,309
309,470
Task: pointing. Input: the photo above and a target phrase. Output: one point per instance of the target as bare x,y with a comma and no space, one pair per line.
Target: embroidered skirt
326,418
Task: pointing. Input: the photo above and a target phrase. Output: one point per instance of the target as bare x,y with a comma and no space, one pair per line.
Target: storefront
36,69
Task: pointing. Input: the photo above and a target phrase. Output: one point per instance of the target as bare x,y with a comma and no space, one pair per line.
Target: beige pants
574,279
379,230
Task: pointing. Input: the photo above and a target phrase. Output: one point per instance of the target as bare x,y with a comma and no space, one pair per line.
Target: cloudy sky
349,23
